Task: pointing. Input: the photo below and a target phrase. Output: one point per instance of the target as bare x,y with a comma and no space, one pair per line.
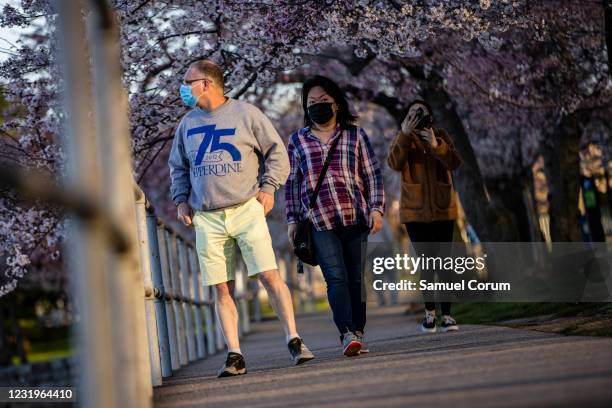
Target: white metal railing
180,314
127,342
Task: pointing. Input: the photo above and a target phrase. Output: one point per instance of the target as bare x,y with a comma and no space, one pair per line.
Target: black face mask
321,113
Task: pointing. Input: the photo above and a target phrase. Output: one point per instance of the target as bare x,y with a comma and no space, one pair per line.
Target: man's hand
375,222
409,123
291,230
267,200
428,136
184,213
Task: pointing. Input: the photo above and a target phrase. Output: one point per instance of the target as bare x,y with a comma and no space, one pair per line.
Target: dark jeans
431,232
339,253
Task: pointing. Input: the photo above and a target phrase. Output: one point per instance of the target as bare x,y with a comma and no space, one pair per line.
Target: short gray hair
210,70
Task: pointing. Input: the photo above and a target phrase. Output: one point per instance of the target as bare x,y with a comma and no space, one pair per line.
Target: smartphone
424,122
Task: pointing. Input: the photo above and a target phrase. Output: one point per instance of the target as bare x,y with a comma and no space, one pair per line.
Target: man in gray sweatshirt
227,160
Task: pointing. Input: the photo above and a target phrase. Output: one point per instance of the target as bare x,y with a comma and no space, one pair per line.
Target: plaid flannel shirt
353,185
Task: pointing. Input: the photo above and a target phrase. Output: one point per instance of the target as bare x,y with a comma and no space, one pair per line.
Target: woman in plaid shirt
349,206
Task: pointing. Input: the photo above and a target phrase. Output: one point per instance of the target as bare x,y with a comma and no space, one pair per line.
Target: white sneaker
448,324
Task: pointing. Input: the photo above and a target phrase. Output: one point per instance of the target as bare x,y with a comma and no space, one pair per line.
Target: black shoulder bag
302,243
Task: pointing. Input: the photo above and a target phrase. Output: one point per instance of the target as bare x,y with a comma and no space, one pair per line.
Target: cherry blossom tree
503,76
510,92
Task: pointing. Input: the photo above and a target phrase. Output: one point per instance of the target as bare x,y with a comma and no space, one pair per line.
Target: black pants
431,232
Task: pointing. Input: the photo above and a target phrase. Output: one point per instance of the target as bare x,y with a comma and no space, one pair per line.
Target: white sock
237,350
290,337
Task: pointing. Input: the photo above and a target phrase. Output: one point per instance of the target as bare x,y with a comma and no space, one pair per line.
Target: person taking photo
425,156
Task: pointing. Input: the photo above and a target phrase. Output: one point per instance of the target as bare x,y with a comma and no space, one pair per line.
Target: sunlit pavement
479,366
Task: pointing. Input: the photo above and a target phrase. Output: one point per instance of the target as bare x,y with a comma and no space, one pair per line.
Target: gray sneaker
360,338
299,352
350,344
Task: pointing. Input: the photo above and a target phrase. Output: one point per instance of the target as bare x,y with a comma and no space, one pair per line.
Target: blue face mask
187,97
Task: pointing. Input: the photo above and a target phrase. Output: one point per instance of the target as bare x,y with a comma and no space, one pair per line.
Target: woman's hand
428,136
375,222
409,123
291,230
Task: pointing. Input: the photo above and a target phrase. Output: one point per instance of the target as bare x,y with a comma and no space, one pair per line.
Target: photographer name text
462,285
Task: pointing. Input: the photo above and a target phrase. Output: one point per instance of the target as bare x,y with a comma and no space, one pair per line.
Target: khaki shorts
217,233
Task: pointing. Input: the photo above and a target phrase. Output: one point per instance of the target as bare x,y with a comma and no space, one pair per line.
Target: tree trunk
562,166
530,204
508,196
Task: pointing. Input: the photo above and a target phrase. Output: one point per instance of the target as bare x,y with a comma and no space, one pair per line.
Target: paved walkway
479,366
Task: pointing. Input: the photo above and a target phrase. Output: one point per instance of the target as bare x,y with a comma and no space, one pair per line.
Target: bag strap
315,193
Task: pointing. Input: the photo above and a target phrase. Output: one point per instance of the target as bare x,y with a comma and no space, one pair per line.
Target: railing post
241,298
152,363
244,304
199,307
238,282
112,127
175,277
186,290
219,340
309,290
291,277
169,301
89,266
209,319
255,300
158,287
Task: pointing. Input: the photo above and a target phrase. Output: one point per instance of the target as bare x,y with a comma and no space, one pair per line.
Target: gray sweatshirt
223,157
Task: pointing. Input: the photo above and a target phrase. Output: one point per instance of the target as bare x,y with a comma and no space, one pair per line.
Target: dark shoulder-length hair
344,117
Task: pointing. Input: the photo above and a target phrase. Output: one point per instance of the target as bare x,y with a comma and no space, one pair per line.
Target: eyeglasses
191,81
